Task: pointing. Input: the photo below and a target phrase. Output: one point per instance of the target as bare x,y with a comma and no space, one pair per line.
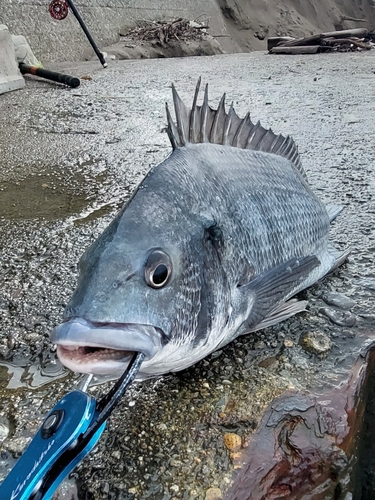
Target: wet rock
17,446
232,441
213,494
67,491
316,343
4,428
314,436
288,343
368,283
341,318
338,300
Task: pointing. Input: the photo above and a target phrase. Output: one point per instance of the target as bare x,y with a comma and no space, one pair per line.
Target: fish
214,243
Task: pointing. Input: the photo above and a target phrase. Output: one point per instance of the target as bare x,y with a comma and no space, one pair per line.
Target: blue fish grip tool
69,432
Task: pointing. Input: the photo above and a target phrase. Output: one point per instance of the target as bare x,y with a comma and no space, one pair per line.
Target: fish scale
268,208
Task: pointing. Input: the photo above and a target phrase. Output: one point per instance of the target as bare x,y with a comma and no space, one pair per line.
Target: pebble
175,463
232,441
316,343
4,428
67,490
18,445
259,345
368,283
341,318
288,343
338,300
213,494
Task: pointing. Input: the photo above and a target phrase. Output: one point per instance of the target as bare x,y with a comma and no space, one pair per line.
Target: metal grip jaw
58,433
68,433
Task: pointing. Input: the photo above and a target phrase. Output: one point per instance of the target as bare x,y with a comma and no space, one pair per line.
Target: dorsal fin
204,124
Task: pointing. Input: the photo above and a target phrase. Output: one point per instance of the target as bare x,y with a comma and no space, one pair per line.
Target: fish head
140,289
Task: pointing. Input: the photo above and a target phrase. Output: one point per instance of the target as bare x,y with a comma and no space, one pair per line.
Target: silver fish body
212,245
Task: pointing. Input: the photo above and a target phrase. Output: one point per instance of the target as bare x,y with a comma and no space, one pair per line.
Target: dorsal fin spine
172,129
227,125
242,126
215,133
251,135
204,124
180,109
193,125
204,113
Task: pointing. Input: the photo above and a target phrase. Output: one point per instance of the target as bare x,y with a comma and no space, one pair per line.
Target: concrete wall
53,40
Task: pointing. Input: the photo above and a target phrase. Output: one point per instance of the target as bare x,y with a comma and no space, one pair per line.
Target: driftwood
348,41
273,41
310,40
343,40
348,18
307,49
359,32
163,32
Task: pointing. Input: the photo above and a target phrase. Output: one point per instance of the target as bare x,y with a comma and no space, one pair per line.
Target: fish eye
158,269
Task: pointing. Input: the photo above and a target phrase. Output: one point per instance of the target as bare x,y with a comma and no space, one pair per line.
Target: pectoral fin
273,287
281,313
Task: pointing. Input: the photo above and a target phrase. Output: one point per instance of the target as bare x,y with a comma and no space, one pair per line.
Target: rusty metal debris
339,41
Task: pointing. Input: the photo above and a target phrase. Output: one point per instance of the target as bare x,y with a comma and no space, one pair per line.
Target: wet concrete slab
280,413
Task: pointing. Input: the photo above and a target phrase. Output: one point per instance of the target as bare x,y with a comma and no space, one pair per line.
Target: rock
4,428
304,426
23,51
213,494
316,343
341,318
338,300
10,76
17,445
232,441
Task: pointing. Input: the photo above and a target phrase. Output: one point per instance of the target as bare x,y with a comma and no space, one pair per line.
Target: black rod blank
71,81
87,33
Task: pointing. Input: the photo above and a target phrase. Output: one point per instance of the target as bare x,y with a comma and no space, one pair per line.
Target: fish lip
79,332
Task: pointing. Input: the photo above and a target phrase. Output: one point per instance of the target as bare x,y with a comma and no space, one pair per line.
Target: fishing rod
69,432
70,81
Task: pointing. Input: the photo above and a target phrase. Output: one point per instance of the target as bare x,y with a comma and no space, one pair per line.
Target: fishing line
108,402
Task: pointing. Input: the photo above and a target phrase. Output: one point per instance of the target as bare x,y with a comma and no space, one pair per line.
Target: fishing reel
59,9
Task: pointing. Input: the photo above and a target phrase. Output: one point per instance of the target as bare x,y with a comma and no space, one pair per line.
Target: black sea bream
212,245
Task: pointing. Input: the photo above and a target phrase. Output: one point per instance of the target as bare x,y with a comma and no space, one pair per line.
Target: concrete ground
70,157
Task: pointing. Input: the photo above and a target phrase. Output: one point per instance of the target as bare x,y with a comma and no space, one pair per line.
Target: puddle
48,195
92,213
30,375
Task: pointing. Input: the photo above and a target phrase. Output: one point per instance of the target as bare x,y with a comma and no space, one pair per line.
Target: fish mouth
103,348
